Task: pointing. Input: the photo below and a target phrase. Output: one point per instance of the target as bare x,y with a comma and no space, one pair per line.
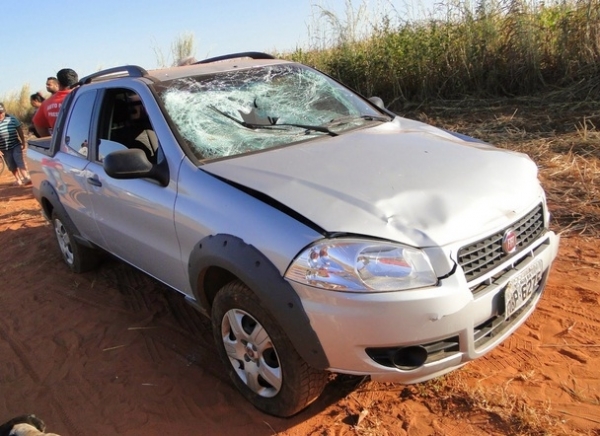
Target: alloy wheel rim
251,353
63,241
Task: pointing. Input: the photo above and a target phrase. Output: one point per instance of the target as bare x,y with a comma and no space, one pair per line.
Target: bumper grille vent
484,255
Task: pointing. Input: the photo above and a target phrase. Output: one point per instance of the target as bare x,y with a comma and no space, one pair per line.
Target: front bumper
455,323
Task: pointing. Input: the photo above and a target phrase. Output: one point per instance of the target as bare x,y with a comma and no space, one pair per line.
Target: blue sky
41,37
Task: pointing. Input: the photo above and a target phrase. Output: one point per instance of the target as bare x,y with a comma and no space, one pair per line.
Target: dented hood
403,180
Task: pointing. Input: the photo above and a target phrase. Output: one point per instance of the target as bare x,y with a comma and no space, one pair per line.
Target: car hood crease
402,181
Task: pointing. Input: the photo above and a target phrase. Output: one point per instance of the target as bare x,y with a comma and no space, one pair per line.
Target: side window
78,126
125,125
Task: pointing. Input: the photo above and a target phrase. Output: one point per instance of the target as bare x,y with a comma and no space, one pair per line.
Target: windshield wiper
349,118
240,122
253,126
322,129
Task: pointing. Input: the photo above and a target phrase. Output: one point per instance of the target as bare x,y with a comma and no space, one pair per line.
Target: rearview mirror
133,164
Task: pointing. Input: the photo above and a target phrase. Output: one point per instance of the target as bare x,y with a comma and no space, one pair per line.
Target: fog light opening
408,358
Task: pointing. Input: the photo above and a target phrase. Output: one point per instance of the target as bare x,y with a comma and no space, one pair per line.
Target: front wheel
77,256
260,359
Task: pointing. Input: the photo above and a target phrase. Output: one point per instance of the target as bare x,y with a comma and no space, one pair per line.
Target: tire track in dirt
574,355
138,289
169,330
152,350
86,300
145,294
577,313
188,318
516,353
21,355
143,297
166,320
459,429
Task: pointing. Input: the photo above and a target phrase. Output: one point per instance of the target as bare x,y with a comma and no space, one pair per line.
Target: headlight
357,265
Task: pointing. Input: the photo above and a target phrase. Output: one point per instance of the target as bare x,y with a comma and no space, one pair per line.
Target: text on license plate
520,287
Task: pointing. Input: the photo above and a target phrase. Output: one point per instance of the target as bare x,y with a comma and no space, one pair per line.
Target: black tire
78,258
269,372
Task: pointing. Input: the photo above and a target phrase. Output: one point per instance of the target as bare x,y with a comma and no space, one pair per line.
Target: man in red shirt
45,117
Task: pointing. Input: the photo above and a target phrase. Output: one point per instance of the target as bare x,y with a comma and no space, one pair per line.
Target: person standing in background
45,118
13,146
36,101
52,85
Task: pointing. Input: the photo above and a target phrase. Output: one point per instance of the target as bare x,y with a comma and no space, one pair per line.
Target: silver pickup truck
317,230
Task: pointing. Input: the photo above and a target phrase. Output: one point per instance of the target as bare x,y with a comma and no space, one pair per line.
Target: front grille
484,255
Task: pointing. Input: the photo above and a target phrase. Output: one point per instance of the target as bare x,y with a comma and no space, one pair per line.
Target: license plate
521,287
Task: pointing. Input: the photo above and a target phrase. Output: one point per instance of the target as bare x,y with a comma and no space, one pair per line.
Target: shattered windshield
234,112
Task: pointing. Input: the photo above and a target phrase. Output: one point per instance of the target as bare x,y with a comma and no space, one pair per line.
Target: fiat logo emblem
509,241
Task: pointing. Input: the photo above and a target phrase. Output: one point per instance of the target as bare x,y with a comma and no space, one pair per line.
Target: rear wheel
258,355
77,256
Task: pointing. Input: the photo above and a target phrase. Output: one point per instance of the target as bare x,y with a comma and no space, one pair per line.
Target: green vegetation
494,49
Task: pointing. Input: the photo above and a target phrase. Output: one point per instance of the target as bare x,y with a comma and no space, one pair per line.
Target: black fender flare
249,265
48,194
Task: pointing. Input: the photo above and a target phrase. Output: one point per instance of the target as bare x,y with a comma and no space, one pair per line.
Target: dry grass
500,409
17,104
453,398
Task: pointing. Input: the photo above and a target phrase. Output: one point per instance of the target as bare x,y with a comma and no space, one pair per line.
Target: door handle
94,181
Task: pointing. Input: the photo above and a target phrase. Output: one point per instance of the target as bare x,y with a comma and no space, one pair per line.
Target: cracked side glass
239,111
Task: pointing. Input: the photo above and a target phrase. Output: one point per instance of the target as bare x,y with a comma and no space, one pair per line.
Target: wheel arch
50,201
219,259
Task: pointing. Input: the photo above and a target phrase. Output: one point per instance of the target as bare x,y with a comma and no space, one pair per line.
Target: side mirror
377,102
133,164
107,147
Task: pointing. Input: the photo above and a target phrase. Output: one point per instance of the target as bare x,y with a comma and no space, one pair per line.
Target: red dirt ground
112,352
